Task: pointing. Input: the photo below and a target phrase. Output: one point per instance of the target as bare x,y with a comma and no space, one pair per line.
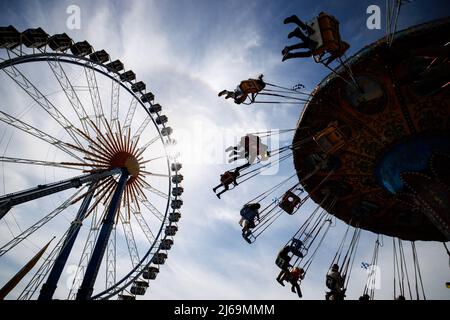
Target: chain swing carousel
370,149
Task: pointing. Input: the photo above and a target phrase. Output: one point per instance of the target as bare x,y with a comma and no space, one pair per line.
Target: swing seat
326,35
251,86
335,296
281,263
249,237
329,29
240,99
325,55
298,248
330,140
289,201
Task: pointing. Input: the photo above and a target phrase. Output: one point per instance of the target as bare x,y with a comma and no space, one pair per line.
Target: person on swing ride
295,277
282,261
364,297
228,178
306,43
250,147
249,213
335,282
247,87
329,35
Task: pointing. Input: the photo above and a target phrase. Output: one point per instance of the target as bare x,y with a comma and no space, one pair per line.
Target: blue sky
186,52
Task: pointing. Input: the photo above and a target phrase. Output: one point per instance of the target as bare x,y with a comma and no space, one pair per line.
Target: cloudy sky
187,51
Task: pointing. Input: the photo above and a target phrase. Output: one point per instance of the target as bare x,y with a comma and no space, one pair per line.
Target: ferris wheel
90,187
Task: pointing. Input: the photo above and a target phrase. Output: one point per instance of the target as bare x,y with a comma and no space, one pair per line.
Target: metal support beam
10,200
87,286
49,287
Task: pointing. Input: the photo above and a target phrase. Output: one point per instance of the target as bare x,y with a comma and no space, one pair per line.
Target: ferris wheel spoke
147,173
95,95
92,154
70,93
126,202
106,143
43,270
28,232
144,226
99,148
130,240
111,259
148,144
115,101
98,186
19,124
134,192
141,129
100,195
119,137
152,159
143,199
148,187
42,101
111,137
130,115
65,165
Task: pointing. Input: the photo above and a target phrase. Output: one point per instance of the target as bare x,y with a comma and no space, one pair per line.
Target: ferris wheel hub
123,159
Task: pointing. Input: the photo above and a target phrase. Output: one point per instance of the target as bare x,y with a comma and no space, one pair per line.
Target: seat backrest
289,202
329,28
280,262
252,86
